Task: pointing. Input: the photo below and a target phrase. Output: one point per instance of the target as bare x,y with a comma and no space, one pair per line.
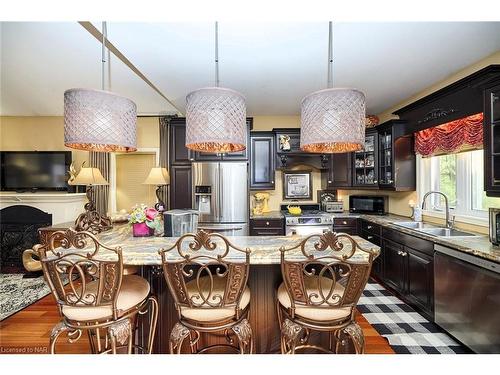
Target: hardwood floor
28,331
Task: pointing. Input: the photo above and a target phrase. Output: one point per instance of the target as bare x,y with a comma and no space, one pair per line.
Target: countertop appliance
176,223
495,226
467,298
310,221
220,195
328,201
368,204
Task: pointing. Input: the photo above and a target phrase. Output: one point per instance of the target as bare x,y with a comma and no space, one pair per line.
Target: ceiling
273,64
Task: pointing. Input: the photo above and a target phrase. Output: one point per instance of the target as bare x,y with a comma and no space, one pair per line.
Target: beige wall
46,133
489,60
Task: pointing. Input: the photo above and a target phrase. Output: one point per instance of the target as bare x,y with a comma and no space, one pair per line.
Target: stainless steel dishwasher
467,298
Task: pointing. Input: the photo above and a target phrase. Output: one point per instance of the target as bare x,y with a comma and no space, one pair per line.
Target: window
459,176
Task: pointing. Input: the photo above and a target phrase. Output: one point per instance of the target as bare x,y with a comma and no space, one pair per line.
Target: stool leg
244,333
357,337
58,329
153,321
291,332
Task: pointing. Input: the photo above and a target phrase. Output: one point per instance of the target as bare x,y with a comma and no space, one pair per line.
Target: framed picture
297,185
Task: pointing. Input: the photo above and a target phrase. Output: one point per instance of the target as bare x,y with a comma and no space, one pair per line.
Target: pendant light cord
330,55
105,57
216,54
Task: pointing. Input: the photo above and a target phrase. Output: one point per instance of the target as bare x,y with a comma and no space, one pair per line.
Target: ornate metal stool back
325,271
204,260
101,265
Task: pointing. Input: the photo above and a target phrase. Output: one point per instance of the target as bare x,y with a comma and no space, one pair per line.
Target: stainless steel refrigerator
220,195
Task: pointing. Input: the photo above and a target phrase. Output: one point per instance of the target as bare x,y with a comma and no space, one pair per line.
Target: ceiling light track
99,36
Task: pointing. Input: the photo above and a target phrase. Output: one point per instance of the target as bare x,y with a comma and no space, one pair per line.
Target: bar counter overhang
264,280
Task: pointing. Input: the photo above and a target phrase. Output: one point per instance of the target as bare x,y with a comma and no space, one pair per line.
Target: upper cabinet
262,160
339,174
396,157
492,141
365,162
179,153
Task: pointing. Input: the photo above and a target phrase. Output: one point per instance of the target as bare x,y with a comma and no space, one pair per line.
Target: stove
310,221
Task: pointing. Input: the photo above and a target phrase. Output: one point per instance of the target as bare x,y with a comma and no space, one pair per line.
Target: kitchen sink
433,230
413,224
446,232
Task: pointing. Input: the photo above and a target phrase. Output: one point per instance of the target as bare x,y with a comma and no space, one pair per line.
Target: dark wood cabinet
394,265
179,153
346,225
396,157
365,162
339,174
419,289
267,227
180,186
492,141
262,160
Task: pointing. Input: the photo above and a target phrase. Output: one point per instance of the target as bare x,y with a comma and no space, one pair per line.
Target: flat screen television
34,170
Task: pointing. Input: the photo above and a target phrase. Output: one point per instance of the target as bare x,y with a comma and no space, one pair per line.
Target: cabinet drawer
370,227
353,231
267,223
345,222
369,236
267,232
424,246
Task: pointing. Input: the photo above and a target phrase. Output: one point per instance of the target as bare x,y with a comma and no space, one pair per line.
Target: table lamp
158,176
91,220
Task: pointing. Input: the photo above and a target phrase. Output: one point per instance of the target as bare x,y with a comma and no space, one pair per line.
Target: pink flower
151,213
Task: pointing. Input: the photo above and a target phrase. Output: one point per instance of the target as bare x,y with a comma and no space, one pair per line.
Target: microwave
495,226
368,204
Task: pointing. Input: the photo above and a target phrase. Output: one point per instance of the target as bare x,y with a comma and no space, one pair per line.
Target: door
131,171
394,265
262,161
233,192
492,142
365,162
206,191
420,289
180,186
339,173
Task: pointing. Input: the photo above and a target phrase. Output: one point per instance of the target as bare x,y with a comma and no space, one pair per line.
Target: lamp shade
333,121
216,120
89,176
96,120
157,176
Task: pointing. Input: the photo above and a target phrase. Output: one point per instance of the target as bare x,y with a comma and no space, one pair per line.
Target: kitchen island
264,279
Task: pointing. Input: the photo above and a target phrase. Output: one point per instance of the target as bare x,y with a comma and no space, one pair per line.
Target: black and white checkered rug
407,331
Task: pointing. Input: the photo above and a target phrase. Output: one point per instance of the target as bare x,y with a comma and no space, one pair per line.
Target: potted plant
145,220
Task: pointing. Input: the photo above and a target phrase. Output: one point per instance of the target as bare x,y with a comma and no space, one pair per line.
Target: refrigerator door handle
221,201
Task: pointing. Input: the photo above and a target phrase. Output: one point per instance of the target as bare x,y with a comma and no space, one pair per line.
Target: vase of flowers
145,220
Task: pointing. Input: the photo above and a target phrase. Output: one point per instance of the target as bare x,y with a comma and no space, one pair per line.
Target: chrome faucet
449,223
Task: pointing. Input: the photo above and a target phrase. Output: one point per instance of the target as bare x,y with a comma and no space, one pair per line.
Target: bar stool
323,278
98,298
207,277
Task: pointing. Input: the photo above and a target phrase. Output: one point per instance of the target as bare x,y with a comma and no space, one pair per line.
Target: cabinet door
394,265
180,186
420,288
386,159
492,141
365,163
339,173
179,153
262,161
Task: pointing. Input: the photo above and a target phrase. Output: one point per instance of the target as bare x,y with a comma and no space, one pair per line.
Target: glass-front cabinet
386,168
365,162
492,141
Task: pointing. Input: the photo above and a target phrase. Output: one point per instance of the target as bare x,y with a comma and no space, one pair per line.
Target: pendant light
333,120
216,116
99,120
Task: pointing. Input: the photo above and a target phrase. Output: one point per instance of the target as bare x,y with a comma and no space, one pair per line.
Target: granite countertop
478,245
268,215
264,249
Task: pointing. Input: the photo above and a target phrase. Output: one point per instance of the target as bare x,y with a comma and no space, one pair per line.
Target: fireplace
19,226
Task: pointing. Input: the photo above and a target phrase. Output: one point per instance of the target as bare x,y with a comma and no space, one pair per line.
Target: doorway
131,171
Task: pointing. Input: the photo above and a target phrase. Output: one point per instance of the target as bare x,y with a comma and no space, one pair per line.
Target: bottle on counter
417,213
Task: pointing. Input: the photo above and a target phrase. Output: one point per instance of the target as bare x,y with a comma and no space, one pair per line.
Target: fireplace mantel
64,207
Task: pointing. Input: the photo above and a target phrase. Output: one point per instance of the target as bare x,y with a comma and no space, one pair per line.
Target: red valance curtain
464,134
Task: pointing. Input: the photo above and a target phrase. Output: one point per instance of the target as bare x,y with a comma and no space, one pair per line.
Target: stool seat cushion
321,312
133,291
206,313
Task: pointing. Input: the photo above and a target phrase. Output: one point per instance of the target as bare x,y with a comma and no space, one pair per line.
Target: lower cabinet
345,225
409,272
267,227
180,186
